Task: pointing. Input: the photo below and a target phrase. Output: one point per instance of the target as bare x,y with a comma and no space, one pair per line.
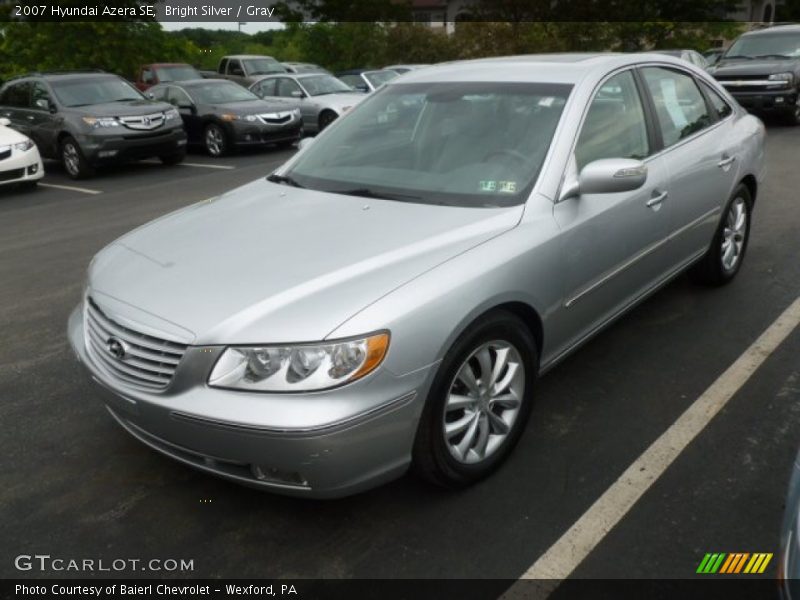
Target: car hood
250,107
10,136
134,108
338,101
742,68
270,264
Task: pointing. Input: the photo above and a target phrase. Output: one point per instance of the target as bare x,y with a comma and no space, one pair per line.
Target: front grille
147,136
12,174
147,362
276,118
143,122
5,152
750,83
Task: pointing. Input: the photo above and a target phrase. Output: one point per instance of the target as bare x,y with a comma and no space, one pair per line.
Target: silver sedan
389,296
320,97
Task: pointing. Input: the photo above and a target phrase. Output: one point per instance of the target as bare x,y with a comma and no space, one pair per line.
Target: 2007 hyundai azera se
388,297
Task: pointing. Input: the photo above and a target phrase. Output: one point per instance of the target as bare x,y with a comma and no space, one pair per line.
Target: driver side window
615,125
287,87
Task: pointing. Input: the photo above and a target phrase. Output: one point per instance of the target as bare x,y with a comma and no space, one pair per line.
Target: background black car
761,70
89,118
222,115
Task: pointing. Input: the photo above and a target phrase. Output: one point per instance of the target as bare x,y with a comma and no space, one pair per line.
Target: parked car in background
245,69
155,73
366,81
222,116
691,56
762,71
402,69
320,97
389,296
20,162
89,118
297,67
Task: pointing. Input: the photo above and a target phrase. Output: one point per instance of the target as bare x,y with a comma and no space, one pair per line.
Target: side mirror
237,72
361,87
42,103
4,122
187,106
304,142
612,176
608,176
298,94
150,96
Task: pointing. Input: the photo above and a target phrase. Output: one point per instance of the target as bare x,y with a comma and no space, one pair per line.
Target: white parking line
579,540
198,165
71,188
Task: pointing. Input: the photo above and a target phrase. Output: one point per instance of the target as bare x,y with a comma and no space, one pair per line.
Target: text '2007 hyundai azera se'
388,297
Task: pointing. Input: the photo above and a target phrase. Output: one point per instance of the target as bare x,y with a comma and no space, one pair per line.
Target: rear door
701,153
43,120
613,244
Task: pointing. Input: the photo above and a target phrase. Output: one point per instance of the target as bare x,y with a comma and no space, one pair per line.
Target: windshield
319,85
85,92
378,78
458,144
220,92
177,73
263,66
765,46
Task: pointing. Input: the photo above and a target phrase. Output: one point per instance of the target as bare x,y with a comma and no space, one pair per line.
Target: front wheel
215,140
793,116
479,402
75,164
725,256
326,118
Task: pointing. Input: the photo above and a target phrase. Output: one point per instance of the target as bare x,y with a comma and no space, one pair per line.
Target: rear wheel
215,140
75,164
793,117
326,118
726,254
479,402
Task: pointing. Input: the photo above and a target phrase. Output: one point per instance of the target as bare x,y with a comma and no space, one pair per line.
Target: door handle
726,161
657,199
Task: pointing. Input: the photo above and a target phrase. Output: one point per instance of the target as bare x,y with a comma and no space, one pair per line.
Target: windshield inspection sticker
488,185
504,187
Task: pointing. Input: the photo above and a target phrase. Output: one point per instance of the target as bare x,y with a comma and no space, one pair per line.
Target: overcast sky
253,27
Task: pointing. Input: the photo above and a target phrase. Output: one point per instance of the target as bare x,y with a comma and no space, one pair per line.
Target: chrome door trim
608,276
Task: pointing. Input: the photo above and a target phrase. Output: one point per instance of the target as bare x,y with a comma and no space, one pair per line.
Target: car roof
194,82
789,28
167,64
545,68
249,56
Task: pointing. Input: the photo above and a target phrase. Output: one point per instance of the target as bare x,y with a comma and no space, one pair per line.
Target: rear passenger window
721,107
615,125
680,107
17,95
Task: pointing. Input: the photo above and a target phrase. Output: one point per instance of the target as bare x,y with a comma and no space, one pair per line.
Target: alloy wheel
71,159
215,141
483,402
734,234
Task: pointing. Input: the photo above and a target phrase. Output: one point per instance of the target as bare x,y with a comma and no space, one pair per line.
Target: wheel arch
751,183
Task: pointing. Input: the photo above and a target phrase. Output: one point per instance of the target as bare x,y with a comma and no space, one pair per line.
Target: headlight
172,113
250,118
785,78
229,117
97,122
24,146
299,368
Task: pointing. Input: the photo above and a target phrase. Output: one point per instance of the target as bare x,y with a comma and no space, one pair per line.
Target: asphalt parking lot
75,485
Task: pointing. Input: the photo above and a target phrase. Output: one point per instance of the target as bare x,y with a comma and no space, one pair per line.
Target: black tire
792,117
711,270
326,118
219,145
73,160
173,159
432,458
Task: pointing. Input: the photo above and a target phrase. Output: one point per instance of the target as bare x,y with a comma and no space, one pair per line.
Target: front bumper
761,102
129,145
21,167
257,133
353,438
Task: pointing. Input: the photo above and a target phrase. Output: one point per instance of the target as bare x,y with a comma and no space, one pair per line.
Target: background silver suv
389,296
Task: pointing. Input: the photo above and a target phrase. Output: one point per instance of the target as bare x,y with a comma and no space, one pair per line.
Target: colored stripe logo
734,563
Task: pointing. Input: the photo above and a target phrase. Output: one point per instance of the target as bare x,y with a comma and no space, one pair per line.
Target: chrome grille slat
147,361
136,349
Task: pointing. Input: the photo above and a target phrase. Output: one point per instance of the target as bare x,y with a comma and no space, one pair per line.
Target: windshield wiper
737,56
369,193
772,56
285,180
